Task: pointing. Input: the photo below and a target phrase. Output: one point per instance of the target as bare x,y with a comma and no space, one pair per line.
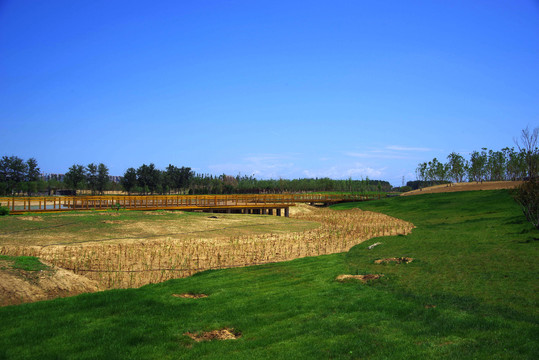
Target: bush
4,210
527,195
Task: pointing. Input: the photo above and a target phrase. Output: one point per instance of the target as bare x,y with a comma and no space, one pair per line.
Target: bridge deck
172,202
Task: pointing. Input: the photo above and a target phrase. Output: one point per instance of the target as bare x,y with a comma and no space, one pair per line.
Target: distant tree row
227,184
91,177
147,179
486,165
21,177
17,175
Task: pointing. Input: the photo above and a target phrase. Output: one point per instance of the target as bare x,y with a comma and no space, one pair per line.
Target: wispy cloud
263,166
406,148
355,171
376,155
388,152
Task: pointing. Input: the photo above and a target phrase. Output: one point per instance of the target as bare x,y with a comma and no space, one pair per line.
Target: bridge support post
287,212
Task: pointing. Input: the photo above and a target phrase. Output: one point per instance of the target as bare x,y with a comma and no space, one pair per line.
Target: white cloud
261,166
376,154
356,171
405,148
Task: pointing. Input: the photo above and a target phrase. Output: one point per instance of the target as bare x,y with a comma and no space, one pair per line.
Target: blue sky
272,88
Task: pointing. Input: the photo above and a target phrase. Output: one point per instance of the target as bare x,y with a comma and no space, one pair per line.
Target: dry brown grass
467,186
124,264
69,228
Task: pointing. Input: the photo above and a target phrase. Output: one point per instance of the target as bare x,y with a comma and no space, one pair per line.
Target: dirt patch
190,296
472,186
161,212
362,278
30,218
110,214
398,260
20,286
223,334
112,221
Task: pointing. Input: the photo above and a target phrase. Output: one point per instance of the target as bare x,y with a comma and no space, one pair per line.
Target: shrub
527,195
4,211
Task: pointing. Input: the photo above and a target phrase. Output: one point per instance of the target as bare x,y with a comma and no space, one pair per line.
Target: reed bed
133,264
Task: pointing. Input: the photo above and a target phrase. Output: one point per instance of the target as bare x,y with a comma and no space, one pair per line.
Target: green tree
477,165
515,164
32,176
75,177
148,178
91,177
102,177
33,171
456,167
495,166
129,180
13,172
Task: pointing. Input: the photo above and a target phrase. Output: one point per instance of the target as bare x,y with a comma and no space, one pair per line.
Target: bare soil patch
222,334
363,278
109,213
471,186
398,260
30,218
190,296
112,221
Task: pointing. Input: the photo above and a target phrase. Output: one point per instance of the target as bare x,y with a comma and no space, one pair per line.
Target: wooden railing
155,202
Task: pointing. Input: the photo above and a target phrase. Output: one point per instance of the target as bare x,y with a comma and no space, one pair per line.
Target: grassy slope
475,262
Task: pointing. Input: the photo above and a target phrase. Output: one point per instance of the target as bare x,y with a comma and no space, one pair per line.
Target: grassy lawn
471,292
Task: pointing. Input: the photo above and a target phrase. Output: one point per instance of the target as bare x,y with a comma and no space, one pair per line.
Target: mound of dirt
362,278
223,334
399,260
471,186
190,296
19,286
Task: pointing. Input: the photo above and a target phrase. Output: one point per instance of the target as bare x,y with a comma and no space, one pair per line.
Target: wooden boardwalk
259,204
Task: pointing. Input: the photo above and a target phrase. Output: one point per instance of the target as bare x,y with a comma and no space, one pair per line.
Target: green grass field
470,293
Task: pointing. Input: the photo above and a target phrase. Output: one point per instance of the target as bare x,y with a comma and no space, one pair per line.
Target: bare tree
528,145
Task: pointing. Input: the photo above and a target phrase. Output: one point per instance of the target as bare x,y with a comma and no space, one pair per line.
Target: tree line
147,179
20,177
485,165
